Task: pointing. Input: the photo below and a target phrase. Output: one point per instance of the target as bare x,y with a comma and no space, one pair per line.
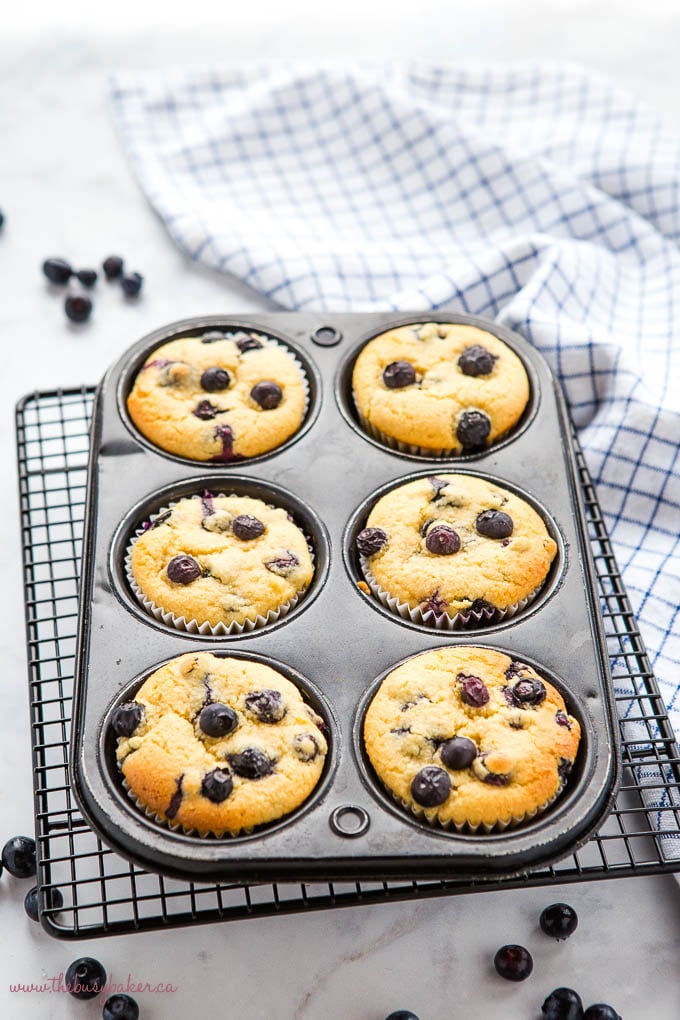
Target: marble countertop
66,189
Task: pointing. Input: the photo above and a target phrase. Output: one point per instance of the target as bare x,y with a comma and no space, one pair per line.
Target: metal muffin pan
328,476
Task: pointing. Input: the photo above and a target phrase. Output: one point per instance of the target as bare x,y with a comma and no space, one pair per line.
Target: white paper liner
443,621
175,826
192,626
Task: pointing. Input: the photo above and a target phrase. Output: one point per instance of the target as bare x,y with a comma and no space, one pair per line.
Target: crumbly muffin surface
470,737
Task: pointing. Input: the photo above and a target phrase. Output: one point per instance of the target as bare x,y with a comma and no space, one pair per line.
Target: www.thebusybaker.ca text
59,985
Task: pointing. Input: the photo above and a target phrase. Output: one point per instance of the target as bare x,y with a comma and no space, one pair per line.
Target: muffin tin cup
422,452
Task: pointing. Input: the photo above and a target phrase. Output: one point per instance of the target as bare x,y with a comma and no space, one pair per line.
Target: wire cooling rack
105,895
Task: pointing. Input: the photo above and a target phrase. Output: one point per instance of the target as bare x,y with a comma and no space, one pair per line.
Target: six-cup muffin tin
338,642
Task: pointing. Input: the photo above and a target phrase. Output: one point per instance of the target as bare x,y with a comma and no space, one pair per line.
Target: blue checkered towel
543,197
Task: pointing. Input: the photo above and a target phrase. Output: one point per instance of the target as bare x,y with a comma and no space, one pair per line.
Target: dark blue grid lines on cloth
541,196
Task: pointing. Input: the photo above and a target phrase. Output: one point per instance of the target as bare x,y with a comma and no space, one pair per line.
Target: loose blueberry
113,267
559,920
120,1007
514,963
402,1014
248,343
183,570
431,786
131,284
266,705
267,395
458,753
216,719
57,270
476,360
399,374
563,1004
78,308
442,540
306,746
85,978
214,380
473,430
88,277
18,856
217,785
246,527
371,540
494,524
205,410
474,691
53,897
251,763
529,691
126,718
283,565
601,1011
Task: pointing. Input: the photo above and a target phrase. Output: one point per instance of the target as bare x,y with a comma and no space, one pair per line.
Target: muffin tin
338,642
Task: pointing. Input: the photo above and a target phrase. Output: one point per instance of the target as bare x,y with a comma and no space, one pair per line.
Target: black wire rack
105,895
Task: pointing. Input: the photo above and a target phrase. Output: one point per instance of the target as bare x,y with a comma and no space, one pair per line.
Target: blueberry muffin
219,560
470,738
439,388
218,745
219,397
454,544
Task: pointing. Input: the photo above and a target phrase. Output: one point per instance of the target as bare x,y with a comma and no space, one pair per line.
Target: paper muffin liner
402,447
466,827
175,826
193,626
443,621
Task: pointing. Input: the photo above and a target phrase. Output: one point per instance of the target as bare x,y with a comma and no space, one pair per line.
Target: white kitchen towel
540,196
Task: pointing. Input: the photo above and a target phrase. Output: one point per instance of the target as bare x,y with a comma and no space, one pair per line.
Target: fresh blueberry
431,786
120,1007
57,270
266,705
371,540
18,856
399,374
514,963
248,343
251,763
402,1014
126,718
53,897
88,277
601,1011
217,785
78,308
559,921
216,720
267,395
183,569
563,1004
458,753
131,284
113,267
85,978
442,540
474,691
494,524
214,380
246,527
476,360
473,430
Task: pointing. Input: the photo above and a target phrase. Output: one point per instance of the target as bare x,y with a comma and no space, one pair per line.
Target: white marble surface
66,189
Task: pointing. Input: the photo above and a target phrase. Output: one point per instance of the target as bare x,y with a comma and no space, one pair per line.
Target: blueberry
217,785
53,900
559,921
88,277
216,720
2,219
18,856
494,524
85,978
113,267
183,570
402,1014
473,430
57,270
458,753
246,527
514,963
474,691
267,395
481,769
306,746
434,604
78,308
214,380
431,786
476,360
131,284
438,484
283,565
563,1004
251,763
205,410
442,540
120,1007
126,718
601,1011
248,343
371,540
399,374
266,705
528,691
562,719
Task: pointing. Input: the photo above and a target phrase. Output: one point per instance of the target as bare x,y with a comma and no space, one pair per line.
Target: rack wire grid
105,895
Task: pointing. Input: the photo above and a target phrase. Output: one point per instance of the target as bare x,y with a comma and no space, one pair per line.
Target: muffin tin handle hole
349,820
326,336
